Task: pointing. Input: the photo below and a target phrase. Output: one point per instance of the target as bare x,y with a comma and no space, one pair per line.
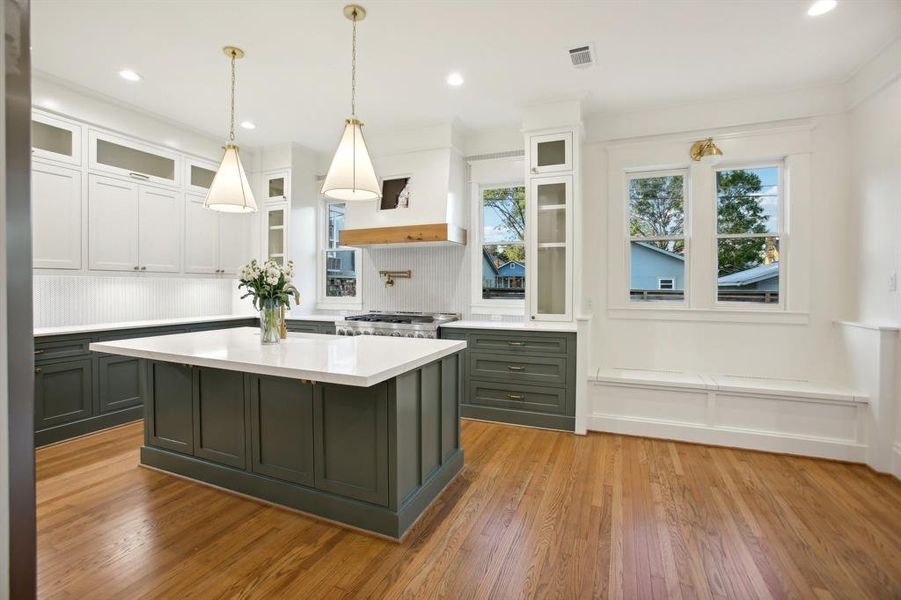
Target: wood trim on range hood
437,234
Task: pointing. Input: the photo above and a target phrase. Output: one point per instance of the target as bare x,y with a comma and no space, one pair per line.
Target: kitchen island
360,430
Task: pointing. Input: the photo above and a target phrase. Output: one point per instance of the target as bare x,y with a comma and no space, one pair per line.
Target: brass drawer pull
38,370
514,396
515,368
517,344
36,352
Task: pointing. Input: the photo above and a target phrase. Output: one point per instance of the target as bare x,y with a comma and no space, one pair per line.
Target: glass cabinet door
276,233
277,187
551,255
551,153
55,139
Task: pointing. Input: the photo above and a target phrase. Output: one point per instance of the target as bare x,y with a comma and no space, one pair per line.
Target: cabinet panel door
201,238
219,416
159,218
551,153
281,412
170,408
118,382
112,224
234,242
63,392
55,217
550,260
351,433
56,139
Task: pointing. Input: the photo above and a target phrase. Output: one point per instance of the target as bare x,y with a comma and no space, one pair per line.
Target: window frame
672,283
781,234
629,175
478,304
324,302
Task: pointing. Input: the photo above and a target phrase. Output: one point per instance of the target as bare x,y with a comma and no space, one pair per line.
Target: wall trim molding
896,460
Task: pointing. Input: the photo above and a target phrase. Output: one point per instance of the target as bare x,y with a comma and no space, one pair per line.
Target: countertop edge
96,327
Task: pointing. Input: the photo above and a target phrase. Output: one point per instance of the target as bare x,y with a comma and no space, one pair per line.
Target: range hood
434,214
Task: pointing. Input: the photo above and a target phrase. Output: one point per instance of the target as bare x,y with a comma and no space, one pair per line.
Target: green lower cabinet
63,392
218,402
295,326
118,385
169,419
351,441
281,425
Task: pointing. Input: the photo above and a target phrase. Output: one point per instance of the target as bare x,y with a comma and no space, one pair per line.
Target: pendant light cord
231,129
353,69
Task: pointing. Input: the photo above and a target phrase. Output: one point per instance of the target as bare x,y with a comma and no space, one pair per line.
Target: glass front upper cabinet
134,159
550,255
277,186
55,139
551,153
199,175
276,218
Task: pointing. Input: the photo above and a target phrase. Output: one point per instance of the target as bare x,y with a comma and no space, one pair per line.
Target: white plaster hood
436,212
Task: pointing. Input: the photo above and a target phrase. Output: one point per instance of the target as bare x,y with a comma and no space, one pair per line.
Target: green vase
270,314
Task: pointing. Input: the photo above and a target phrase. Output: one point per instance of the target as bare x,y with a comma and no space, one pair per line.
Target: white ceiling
294,82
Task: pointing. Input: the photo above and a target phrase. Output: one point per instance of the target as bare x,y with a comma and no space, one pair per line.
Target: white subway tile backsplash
79,300
439,282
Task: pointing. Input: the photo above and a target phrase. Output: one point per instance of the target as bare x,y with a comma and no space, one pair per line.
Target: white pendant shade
230,191
351,176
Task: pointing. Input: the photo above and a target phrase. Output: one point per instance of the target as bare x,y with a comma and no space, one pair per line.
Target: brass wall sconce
390,275
706,152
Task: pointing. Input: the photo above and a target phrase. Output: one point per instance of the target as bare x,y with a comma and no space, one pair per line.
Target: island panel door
170,406
281,413
219,416
351,437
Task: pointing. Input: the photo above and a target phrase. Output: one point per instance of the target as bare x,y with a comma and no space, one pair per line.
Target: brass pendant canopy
230,190
351,175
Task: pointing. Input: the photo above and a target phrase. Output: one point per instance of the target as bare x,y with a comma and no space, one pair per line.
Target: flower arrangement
269,285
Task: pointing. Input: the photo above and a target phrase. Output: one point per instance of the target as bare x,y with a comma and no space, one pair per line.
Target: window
748,215
656,234
503,256
339,265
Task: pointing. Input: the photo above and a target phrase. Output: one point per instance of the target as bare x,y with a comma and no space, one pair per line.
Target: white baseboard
806,426
896,460
731,437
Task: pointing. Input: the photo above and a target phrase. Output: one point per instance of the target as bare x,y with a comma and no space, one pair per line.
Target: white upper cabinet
132,159
275,232
215,242
199,175
159,230
551,153
55,139
550,251
277,186
55,217
112,224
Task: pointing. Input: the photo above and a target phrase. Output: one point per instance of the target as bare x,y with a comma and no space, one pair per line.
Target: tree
510,206
739,211
656,209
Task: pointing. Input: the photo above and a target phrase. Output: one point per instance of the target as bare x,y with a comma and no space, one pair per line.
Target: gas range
394,324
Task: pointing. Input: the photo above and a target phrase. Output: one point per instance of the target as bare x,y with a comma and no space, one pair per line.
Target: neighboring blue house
656,269
759,278
502,276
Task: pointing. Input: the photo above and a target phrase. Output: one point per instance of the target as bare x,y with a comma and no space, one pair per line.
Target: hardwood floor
533,514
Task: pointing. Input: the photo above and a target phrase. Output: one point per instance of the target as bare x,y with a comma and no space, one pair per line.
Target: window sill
493,309
720,315
345,306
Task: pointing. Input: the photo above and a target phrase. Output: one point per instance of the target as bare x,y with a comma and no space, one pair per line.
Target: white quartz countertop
513,325
349,360
90,328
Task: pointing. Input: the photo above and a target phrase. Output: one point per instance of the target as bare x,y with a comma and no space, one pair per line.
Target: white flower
272,280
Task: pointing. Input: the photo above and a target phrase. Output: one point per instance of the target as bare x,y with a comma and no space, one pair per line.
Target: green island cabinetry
523,377
77,391
301,326
371,457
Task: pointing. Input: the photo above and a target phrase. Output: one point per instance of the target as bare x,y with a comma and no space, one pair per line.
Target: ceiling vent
582,56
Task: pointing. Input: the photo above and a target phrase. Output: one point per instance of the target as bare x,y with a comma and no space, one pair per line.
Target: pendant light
230,190
351,175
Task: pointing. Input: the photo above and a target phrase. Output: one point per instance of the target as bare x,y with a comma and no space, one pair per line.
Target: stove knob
395,334
358,332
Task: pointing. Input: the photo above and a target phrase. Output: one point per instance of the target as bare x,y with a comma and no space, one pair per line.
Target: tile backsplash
439,282
78,300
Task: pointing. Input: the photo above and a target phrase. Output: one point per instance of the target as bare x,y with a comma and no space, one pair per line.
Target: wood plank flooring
534,514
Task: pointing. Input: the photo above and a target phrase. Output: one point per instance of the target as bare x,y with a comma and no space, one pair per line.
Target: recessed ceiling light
821,7
129,75
455,79
248,125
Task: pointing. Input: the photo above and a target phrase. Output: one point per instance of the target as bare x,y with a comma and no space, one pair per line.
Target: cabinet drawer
535,343
61,349
302,327
518,397
546,370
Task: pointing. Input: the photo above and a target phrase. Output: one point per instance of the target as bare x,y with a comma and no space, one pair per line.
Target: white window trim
782,234
324,302
792,146
686,231
478,304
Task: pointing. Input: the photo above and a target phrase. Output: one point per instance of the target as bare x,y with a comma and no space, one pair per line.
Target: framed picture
395,192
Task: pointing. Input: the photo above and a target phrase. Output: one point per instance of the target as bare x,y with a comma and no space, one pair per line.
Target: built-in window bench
795,417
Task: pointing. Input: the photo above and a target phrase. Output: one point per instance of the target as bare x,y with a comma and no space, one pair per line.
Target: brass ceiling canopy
705,150
354,12
233,52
